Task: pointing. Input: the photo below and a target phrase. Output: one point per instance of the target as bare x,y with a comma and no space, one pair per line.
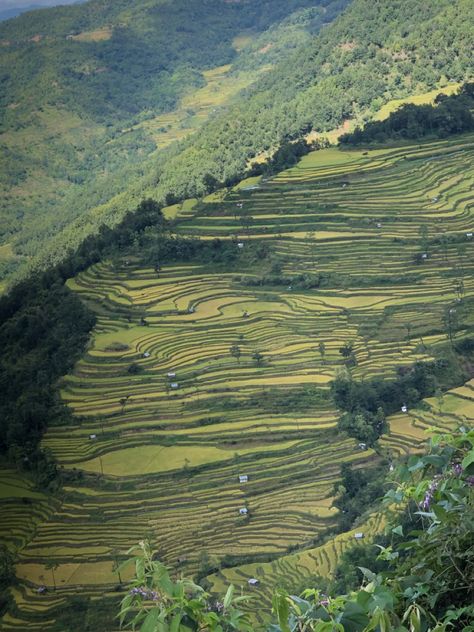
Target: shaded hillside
112,60
369,55
84,89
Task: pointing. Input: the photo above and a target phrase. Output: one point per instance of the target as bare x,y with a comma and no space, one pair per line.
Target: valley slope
209,367
90,93
311,80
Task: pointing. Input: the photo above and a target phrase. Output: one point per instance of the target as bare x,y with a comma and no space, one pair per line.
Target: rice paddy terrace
197,376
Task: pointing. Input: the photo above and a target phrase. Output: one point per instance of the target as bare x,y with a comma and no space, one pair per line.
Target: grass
98,35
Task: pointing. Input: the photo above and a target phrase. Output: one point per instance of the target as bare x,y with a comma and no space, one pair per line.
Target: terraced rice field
158,449
290,570
408,433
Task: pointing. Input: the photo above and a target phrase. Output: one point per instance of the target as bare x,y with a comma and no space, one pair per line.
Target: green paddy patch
151,459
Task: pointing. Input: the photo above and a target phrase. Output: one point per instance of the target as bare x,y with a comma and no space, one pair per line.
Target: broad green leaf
363,599
433,459
368,574
468,460
125,607
282,610
140,569
228,596
383,597
415,621
440,513
176,622
354,617
151,622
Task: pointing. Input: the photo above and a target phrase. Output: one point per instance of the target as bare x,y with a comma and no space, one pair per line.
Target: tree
424,237
347,352
52,565
451,322
235,352
116,566
322,349
258,357
7,576
347,349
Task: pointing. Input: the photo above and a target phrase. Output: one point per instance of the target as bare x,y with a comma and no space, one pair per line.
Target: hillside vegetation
90,91
225,337
368,55
329,281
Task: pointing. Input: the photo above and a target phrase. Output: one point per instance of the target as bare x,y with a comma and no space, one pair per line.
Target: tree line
449,115
44,328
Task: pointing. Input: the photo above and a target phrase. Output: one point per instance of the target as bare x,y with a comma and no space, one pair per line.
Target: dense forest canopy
113,60
449,115
371,53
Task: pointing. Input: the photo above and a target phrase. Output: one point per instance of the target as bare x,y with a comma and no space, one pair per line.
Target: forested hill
371,53
83,88
111,60
374,52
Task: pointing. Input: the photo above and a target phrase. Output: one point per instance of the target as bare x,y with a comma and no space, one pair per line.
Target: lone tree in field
460,290
451,322
258,357
424,237
116,564
347,352
235,352
322,349
52,565
123,401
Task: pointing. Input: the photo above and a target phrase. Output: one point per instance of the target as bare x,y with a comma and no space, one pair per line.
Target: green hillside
222,334
90,91
211,360
58,194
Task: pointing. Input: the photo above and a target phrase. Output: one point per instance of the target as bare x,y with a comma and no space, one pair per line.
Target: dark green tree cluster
44,328
287,155
449,115
358,489
7,576
366,404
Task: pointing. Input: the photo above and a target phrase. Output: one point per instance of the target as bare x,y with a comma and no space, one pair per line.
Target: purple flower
426,502
457,469
470,481
145,593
